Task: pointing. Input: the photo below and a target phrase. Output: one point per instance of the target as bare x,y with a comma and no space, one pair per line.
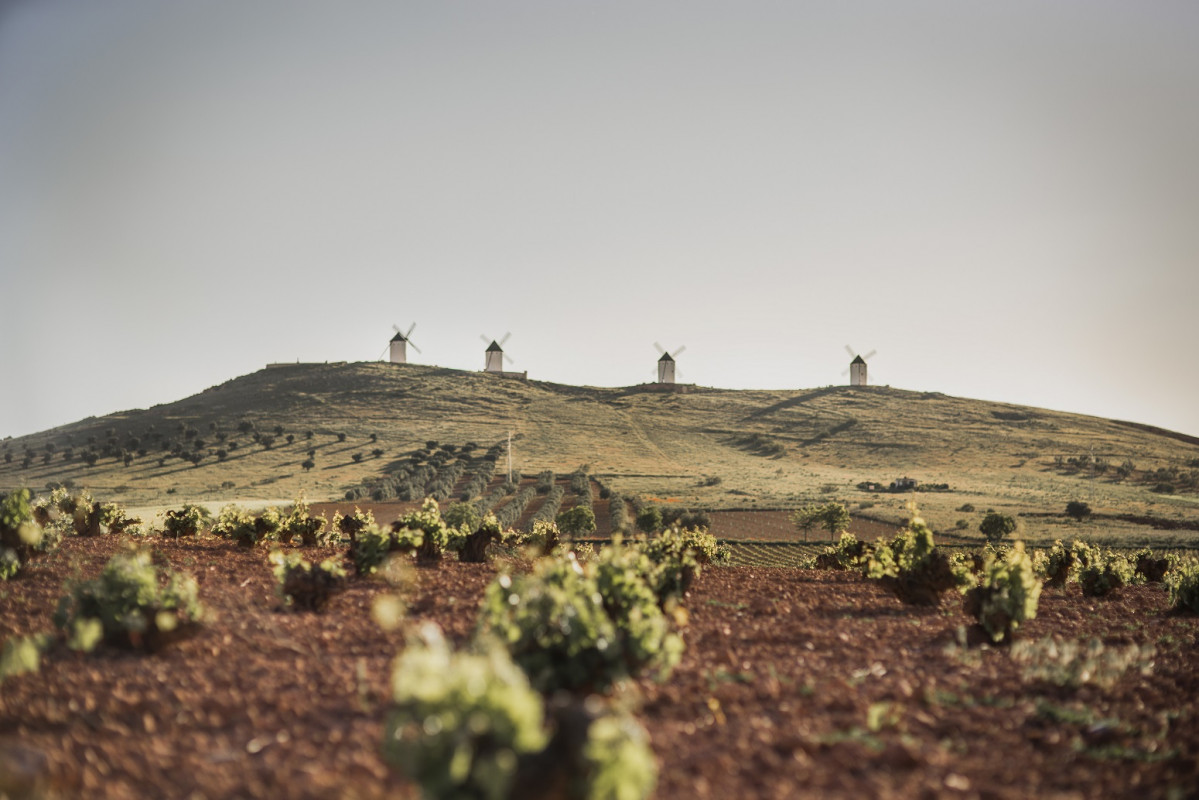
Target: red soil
777,526
773,698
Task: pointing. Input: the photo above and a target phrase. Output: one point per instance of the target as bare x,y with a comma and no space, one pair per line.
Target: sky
1001,199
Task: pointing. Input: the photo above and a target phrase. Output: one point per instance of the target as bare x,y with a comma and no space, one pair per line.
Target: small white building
494,358
857,371
399,349
666,369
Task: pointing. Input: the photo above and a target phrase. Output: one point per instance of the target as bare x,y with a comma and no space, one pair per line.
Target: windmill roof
666,357
399,337
858,360
494,347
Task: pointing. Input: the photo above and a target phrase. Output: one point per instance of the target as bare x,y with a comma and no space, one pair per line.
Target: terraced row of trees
182,441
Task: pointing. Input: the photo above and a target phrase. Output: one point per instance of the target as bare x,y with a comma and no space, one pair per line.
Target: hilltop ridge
705,447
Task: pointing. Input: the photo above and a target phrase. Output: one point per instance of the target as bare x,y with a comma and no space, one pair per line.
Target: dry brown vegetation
769,449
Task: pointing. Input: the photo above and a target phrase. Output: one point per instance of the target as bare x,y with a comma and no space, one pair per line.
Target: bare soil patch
777,526
793,683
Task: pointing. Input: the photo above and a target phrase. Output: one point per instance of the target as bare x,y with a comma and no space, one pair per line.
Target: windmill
666,370
495,355
399,345
857,368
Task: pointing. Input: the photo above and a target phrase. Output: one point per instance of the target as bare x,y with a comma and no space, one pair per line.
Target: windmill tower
494,356
666,370
399,345
857,367
857,371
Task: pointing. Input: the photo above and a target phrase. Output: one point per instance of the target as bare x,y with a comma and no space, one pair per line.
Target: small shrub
995,526
372,547
312,531
262,528
22,654
21,538
1105,574
1059,564
434,535
1078,510
350,524
474,546
679,556
913,568
461,721
566,634
1150,569
369,548
649,519
1182,585
94,518
469,725
1071,664
462,514
848,554
577,520
186,521
544,539
303,585
128,605
230,522
1006,595
675,517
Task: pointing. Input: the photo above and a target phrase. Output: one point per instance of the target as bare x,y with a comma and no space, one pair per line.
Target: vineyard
338,650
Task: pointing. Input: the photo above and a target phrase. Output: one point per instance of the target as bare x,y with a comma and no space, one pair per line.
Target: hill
696,446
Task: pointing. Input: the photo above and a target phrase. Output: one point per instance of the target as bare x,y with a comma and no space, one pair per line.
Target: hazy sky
1001,198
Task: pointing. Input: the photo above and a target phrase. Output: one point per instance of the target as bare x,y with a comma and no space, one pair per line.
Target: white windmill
666,367
495,355
399,345
857,368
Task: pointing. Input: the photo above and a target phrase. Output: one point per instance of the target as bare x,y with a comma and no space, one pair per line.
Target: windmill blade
870,355
849,350
679,352
412,344
506,337
845,372
410,330
485,339
395,327
661,349
385,349
508,358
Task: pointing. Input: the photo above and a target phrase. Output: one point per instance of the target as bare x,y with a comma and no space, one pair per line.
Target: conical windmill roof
666,357
858,360
494,347
399,337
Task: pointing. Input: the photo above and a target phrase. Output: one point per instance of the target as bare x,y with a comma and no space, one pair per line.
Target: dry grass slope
769,449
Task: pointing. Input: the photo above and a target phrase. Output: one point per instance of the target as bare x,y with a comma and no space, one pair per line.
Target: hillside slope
754,449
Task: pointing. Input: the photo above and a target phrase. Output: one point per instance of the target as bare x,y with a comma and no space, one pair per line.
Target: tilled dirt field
794,683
